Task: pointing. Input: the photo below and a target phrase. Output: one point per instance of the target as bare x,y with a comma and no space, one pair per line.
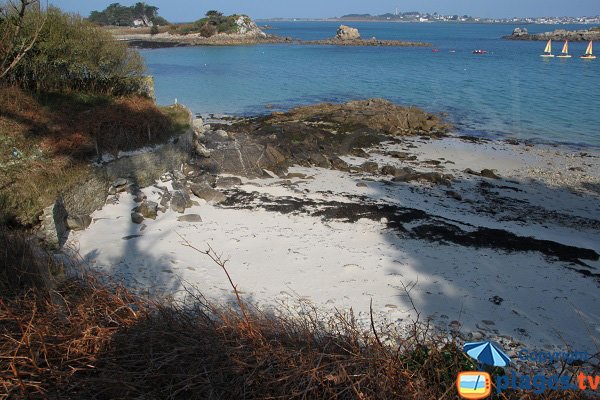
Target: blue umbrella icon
488,353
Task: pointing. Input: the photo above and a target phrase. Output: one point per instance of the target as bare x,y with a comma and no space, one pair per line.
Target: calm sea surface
510,92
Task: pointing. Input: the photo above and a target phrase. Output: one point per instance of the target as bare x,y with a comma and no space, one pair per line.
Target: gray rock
190,218
148,209
53,227
119,182
223,134
204,179
370,167
454,195
228,181
207,193
339,164
165,199
476,335
361,184
178,175
178,185
179,201
389,170
78,222
137,218
488,173
201,150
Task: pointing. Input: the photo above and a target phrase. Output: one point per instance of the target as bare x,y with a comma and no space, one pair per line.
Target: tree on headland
140,14
214,14
20,25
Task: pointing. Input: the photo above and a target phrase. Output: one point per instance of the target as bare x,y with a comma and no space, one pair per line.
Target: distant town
415,16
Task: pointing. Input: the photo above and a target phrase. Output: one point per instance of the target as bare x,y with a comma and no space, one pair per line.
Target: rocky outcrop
347,33
245,26
559,35
309,136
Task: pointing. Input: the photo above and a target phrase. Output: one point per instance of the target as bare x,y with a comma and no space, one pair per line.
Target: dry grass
55,136
102,342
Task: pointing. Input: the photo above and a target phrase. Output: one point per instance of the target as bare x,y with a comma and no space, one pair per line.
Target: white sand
285,257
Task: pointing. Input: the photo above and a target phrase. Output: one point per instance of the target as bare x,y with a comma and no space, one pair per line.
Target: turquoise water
510,92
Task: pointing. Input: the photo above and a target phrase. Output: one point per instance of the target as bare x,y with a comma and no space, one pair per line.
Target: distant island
558,34
424,17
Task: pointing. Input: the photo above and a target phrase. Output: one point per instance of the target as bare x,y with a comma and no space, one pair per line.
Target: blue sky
188,10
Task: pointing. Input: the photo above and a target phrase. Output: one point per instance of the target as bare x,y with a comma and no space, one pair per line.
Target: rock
339,164
471,172
361,184
345,32
178,175
190,218
165,198
204,179
78,222
520,32
178,185
228,181
454,195
476,336
370,167
198,124
53,227
402,155
298,175
497,300
222,134
179,201
488,173
248,27
201,150
119,182
388,170
148,209
137,218
207,193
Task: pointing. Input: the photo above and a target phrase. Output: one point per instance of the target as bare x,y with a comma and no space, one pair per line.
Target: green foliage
118,15
72,54
215,22
154,30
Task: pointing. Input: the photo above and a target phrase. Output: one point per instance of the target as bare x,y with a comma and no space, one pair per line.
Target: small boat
435,50
479,51
588,53
565,51
548,50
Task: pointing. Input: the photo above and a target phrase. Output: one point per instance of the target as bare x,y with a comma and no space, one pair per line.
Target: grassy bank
47,142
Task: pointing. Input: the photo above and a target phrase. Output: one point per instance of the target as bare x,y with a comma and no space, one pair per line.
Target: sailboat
565,51
548,50
588,53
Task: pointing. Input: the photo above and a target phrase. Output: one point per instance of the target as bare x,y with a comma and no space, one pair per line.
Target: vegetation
118,15
214,22
73,55
85,339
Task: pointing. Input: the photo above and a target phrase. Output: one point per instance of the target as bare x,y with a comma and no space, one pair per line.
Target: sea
510,92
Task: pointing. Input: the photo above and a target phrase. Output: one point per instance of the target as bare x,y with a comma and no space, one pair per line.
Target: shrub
154,30
72,54
208,30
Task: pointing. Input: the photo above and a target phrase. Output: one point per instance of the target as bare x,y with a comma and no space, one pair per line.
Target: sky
189,10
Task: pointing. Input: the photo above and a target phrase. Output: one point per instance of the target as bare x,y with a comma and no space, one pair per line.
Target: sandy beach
511,257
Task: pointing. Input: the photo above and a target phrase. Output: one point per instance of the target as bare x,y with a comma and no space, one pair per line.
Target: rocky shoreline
345,36
341,201
558,35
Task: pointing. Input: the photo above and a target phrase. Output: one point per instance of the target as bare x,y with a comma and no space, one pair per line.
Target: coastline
332,237
147,41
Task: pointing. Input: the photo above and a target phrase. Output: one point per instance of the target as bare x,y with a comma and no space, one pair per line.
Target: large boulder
247,27
78,222
347,33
